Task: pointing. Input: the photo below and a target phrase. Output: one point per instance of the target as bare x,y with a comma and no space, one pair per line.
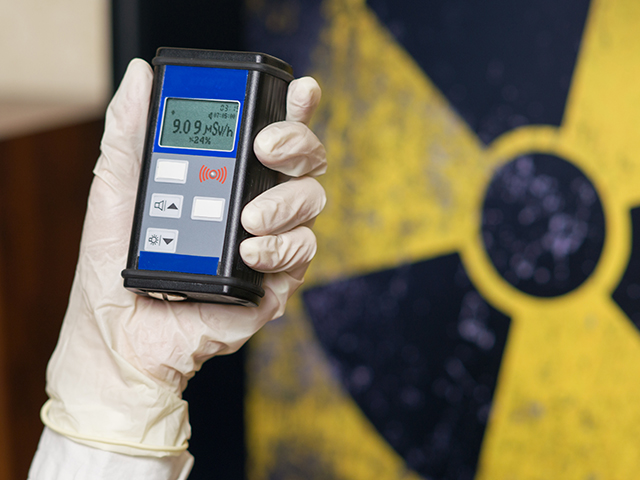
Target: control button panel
189,194
161,240
165,205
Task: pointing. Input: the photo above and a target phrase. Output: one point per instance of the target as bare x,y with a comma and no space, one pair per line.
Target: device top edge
223,59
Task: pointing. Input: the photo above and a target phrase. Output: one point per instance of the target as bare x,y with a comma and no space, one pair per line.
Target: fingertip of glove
251,219
138,65
302,99
250,255
137,75
138,78
323,198
269,139
305,92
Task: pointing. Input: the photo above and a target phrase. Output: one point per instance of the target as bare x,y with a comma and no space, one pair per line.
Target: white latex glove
122,361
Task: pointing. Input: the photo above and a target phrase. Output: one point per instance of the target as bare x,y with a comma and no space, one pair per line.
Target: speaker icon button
161,240
165,205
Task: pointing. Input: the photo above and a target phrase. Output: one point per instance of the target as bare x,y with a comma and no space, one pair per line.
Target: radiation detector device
199,171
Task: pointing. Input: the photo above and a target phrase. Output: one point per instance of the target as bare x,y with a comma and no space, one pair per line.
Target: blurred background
473,310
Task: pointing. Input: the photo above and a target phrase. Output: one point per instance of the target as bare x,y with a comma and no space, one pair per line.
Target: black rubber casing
265,103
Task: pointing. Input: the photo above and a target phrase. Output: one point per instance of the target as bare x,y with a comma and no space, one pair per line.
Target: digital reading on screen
198,123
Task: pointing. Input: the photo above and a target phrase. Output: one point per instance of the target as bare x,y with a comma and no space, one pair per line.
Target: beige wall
54,63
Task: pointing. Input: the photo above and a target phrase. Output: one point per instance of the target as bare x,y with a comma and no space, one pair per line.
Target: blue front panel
171,262
201,83
189,189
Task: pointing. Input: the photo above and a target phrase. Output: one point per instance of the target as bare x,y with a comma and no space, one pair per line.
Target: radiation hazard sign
473,310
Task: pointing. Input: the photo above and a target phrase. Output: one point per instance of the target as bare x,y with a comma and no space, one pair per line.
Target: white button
161,240
164,205
171,171
207,208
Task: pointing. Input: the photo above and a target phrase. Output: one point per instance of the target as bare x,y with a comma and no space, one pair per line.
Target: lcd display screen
200,124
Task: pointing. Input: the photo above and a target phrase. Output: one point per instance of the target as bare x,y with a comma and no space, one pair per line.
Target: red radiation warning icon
209,174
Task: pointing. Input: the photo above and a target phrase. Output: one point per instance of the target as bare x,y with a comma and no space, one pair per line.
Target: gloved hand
122,361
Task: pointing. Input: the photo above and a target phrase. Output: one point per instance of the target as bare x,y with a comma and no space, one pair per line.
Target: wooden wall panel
5,439
44,183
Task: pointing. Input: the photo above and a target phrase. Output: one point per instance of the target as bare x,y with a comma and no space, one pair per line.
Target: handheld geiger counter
199,171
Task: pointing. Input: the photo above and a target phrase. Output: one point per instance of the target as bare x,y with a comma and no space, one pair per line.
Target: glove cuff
117,446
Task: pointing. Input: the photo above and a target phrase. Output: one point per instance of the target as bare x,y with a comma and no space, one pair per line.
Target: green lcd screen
201,124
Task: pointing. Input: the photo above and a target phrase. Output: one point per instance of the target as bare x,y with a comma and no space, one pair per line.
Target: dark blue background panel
419,350
502,64
216,412
543,225
284,28
627,294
